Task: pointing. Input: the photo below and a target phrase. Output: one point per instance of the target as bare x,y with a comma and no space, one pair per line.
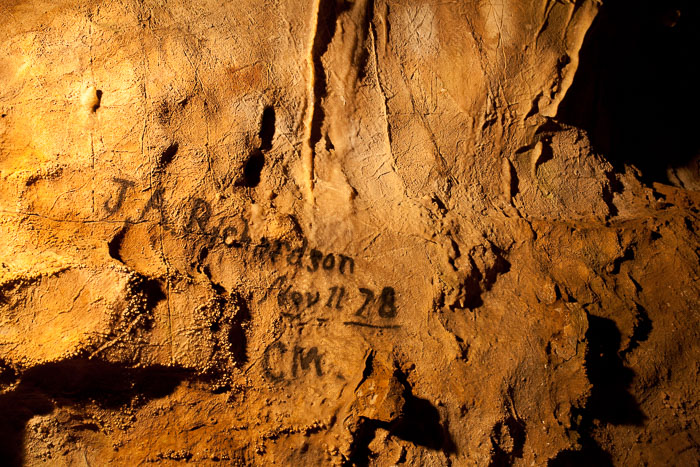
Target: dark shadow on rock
8,374
237,337
478,282
256,160
610,401
508,440
636,84
363,434
152,290
419,423
70,383
590,454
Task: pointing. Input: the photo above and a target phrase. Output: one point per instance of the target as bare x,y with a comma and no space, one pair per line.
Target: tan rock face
337,232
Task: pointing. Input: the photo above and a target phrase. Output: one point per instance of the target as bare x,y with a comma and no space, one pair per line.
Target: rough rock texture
349,232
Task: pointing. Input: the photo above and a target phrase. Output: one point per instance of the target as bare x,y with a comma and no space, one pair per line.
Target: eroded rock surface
344,232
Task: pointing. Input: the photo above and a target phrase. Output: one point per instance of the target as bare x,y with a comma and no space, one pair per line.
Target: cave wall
364,232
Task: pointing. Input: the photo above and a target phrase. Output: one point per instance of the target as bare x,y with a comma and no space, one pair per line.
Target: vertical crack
325,20
373,44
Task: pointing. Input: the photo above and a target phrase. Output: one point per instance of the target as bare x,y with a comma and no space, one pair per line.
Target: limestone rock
335,232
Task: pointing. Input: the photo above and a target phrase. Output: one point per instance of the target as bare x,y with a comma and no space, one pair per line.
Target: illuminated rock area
334,232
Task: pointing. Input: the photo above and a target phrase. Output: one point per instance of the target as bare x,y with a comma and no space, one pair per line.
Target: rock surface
347,233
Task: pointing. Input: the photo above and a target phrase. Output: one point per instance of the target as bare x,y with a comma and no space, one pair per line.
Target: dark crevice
636,84
479,282
463,349
457,253
252,169
329,143
267,128
77,382
237,338
256,160
97,104
472,288
369,365
151,290
439,203
218,288
114,246
167,156
514,181
627,255
199,261
326,25
500,266
360,47
609,190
